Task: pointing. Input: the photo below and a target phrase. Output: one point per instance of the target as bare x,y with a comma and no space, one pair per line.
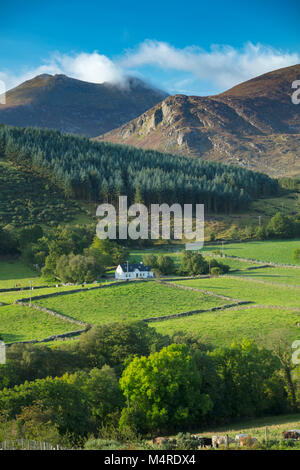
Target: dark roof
132,267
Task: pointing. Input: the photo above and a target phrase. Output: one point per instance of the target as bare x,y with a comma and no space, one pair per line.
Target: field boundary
195,312
86,289
195,289
59,337
52,312
262,281
20,289
252,260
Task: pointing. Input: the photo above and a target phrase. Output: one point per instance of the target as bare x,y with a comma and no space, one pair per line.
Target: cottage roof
132,267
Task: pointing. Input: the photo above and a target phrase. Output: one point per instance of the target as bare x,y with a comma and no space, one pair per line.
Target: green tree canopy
163,390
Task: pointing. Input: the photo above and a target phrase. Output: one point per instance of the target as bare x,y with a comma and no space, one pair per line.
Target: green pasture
256,292
131,301
18,323
225,326
289,276
274,251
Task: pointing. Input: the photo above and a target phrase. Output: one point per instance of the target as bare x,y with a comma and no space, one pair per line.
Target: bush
165,264
150,260
103,444
193,263
221,268
296,255
186,442
78,268
215,271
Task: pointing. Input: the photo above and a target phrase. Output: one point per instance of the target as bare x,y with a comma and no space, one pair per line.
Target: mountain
254,124
70,105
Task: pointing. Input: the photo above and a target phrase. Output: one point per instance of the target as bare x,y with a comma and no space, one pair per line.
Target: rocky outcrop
254,125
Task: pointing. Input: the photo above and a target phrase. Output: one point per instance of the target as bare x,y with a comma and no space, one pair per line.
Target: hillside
99,171
27,198
74,106
86,173
254,125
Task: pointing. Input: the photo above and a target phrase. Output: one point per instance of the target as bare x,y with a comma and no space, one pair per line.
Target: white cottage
133,271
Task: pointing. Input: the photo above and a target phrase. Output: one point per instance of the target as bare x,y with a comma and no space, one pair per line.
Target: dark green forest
100,172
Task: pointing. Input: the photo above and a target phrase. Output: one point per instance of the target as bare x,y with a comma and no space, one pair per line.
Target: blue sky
192,47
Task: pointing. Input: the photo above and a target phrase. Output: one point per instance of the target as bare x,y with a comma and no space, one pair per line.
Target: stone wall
52,312
70,334
196,312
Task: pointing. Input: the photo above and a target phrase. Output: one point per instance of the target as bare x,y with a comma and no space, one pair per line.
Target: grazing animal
292,434
158,441
247,441
221,440
205,442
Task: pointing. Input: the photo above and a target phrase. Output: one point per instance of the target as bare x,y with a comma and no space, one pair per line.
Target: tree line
126,379
101,172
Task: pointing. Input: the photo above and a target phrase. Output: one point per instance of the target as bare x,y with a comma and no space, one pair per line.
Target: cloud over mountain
223,66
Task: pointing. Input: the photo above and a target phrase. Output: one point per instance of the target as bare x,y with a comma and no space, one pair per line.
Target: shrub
103,444
78,268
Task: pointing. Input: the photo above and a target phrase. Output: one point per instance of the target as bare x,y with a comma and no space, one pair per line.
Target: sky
189,47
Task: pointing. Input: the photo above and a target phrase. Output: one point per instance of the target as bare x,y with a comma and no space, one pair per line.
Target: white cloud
95,68
225,66
222,66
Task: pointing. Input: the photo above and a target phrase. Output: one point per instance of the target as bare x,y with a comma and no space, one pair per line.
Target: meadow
243,289
175,252
131,301
18,323
225,326
256,427
11,297
272,251
14,272
288,276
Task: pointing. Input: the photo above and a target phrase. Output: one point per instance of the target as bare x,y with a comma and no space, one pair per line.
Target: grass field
19,323
129,302
140,301
10,297
15,272
222,327
175,254
256,427
288,276
277,251
243,289
173,251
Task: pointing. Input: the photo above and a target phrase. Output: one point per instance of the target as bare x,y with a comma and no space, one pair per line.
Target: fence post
227,441
266,435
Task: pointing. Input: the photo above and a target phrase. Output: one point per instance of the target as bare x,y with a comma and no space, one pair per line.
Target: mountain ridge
74,106
254,124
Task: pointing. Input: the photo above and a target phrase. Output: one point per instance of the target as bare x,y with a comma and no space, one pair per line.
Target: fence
26,444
